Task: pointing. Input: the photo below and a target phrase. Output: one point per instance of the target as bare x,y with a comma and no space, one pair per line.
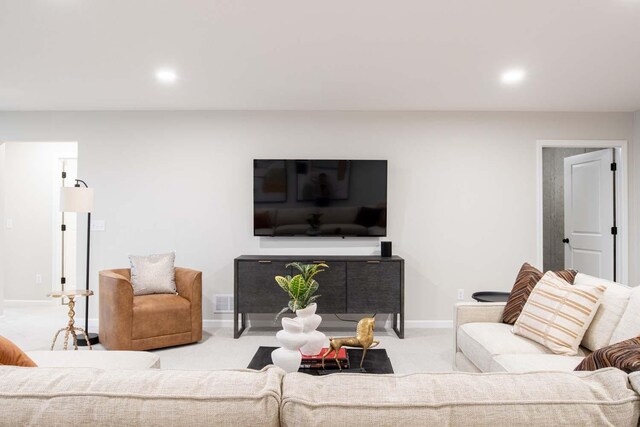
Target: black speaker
385,249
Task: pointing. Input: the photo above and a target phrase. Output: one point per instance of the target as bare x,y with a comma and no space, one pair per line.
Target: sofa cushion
262,219
338,215
460,399
526,280
612,306
629,324
150,397
291,229
481,341
534,362
160,314
463,364
11,354
557,314
624,355
289,216
343,229
368,217
376,231
96,359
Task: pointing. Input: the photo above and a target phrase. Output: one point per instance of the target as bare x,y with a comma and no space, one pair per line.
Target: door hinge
63,280
614,166
64,174
614,230
63,227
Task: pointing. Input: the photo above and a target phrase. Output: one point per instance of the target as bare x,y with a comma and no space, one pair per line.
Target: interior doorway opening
582,207
31,219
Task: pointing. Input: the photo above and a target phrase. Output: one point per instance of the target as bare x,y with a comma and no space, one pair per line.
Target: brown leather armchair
144,322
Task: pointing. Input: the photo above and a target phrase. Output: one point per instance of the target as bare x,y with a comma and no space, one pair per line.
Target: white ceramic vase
315,339
291,338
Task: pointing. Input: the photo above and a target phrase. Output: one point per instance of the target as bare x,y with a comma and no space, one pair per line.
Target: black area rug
375,362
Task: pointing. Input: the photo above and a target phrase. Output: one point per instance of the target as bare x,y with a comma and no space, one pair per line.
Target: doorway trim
622,197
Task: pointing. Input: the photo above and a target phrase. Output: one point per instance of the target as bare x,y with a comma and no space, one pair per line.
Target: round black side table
490,296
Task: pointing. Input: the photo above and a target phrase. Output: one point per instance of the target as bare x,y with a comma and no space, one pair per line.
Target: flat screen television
319,197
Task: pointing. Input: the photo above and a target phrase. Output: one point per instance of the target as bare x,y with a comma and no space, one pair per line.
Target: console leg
398,322
236,335
238,331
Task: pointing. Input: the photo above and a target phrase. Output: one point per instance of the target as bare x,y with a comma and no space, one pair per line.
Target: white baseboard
428,324
217,323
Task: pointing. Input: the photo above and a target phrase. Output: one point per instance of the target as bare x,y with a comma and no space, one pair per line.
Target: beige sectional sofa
484,344
151,397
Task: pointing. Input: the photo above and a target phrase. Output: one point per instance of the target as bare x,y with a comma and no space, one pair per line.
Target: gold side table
70,328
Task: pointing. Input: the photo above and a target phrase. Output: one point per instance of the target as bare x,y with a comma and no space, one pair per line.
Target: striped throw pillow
624,355
557,314
527,278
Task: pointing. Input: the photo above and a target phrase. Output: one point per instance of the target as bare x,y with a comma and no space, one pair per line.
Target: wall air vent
223,303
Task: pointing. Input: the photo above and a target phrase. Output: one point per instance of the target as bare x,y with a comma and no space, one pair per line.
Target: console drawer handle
373,262
264,261
319,262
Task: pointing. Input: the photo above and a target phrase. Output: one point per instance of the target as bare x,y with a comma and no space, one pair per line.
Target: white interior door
589,213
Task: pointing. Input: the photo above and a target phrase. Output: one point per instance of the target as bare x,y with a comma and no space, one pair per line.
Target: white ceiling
580,55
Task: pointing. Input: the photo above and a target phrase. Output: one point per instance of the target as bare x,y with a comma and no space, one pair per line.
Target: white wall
2,228
31,202
462,187
634,203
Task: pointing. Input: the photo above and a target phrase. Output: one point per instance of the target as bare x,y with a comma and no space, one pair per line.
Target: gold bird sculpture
363,339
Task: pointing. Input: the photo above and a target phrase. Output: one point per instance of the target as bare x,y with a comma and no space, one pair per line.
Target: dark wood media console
351,284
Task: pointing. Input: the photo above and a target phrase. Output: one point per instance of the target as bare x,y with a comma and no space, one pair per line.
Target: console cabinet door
258,291
333,288
373,287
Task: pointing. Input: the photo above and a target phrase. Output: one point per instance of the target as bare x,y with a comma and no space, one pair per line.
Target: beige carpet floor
32,328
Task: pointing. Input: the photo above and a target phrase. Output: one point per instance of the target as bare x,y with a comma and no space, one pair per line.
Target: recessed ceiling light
166,75
515,75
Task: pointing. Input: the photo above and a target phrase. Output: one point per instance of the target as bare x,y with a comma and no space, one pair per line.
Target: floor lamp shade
76,199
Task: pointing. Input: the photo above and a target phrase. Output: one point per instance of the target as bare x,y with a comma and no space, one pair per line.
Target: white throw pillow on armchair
153,274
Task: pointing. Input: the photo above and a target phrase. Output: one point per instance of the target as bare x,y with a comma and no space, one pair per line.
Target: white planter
291,338
315,339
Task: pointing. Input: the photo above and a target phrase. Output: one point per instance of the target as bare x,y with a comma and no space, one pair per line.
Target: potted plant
301,289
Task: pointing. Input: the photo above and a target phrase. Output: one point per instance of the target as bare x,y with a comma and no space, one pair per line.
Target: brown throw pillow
527,278
624,355
10,354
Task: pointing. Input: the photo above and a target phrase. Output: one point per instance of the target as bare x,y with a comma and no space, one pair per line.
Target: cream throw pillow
557,314
153,274
612,306
629,325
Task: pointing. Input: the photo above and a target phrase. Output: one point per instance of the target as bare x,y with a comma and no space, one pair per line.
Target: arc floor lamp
80,199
